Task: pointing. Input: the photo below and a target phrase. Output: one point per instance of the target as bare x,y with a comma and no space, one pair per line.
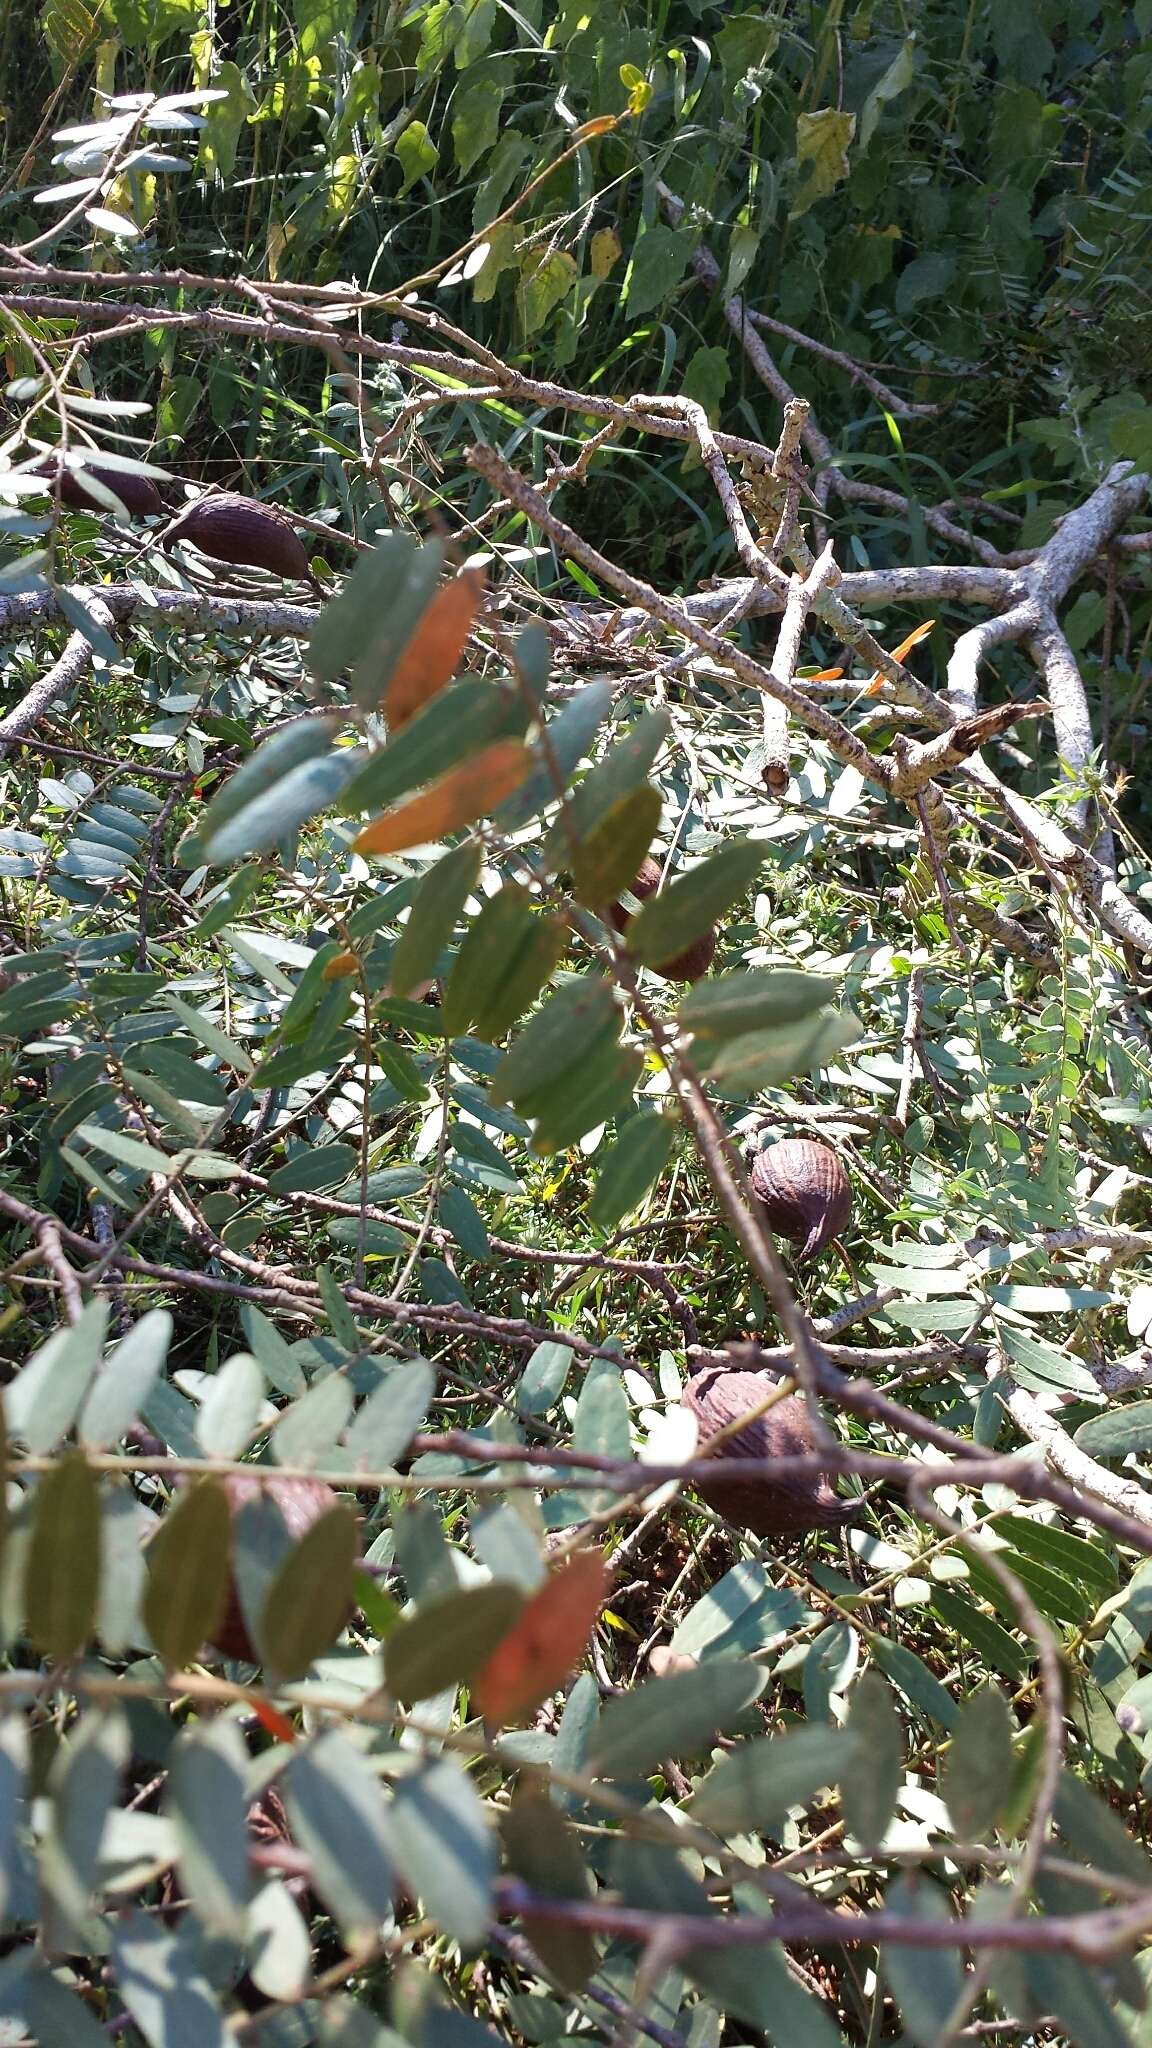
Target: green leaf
569,737
230,1407
446,1642
630,1167
299,794
601,1426
544,1851
763,1059
340,1819
311,1596
210,1035
305,740
986,1635
1117,1431
868,1792
445,1848
745,1610
62,1583
659,260
580,1016
543,1379
913,1679
925,1982
436,908
822,141
162,1983
507,957
82,1784
459,1214
607,859
280,1367
894,81
308,1432
208,1799
675,1716
748,1000
980,1770
668,922
1094,1832
350,621
622,771
546,278
418,154
391,1416
314,1166
756,1784
476,121
41,1403
188,1573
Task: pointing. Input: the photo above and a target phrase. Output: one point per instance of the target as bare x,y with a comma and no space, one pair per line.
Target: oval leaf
311,1595
188,1572
459,798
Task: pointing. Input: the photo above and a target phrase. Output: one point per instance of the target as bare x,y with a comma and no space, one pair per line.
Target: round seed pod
234,529
696,959
771,1506
301,1502
806,1193
137,494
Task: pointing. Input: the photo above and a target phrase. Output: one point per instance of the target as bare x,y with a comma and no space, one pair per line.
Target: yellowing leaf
537,1654
604,252
459,798
913,639
602,125
340,965
432,655
822,142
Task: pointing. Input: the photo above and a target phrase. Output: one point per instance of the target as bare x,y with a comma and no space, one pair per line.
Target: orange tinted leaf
536,1655
275,1722
432,655
340,965
602,125
913,639
824,675
459,798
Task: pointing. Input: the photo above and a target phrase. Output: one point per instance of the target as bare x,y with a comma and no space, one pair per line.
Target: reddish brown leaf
432,655
459,798
537,1655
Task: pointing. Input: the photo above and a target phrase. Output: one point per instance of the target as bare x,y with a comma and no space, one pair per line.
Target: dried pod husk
696,959
806,1193
234,529
771,1506
301,1502
137,494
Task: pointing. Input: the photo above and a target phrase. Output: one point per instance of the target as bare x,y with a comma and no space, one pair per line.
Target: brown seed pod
137,494
301,1502
806,1193
241,531
771,1506
696,959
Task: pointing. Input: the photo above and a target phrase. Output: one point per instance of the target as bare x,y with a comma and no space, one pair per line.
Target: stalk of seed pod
696,959
137,494
805,1192
773,1505
246,533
